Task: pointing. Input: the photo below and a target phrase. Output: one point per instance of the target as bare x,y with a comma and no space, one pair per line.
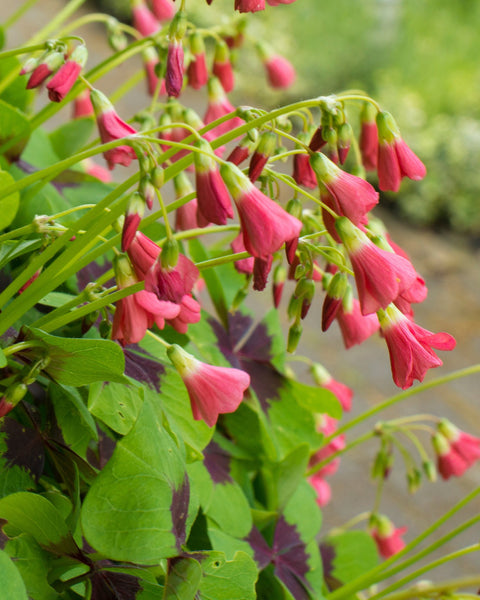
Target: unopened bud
430,470
294,335
157,176
169,254
345,135
104,329
414,479
178,26
294,208
147,191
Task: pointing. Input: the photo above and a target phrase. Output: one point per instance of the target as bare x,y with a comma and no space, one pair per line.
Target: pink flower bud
48,65
144,20
163,9
64,79
82,105
388,538
174,72
222,67
219,106
249,5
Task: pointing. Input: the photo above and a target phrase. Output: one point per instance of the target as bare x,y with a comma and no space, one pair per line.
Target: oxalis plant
155,443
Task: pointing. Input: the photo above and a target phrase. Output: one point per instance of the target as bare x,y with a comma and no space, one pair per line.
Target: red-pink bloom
327,425
261,270
265,149
244,265
280,71
388,538
239,154
303,174
82,105
219,106
395,158
368,141
266,226
111,127
249,5
143,252
163,9
172,283
186,216
134,314
410,346
48,65
322,489
212,390
63,80
190,312
380,275
342,392
355,327
212,195
5,406
150,62
144,20
174,72
456,450
97,171
222,67
133,216
197,71
348,195
277,2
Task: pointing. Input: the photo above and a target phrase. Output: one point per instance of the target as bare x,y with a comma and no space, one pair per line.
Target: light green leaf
227,579
13,248
16,94
78,362
39,151
287,474
183,580
116,404
228,544
13,123
127,513
35,515
67,139
3,359
56,299
8,204
33,564
11,583
354,553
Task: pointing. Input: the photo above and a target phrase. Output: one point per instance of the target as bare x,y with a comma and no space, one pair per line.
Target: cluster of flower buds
62,66
456,450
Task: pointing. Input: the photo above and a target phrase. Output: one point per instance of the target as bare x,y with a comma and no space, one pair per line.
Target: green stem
158,339
20,347
19,13
325,461
404,395
221,260
23,50
433,565
377,574
445,587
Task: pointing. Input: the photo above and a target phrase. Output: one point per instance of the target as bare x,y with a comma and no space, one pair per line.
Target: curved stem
23,50
353,444
444,587
221,260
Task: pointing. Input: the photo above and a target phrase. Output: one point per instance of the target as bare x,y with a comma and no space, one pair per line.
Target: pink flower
143,252
63,80
265,149
172,283
395,158
280,72
189,313
97,171
277,2
239,154
174,72
134,314
266,226
249,5
261,270
150,62
388,539
368,141
111,127
163,9
303,174
342,392
410,346
355,327
212,390
82,105
328,426
48,65
244,265
456,450
133,216
348,195
380,275
219,106
222,67
212,195
144,20
322,489
197,71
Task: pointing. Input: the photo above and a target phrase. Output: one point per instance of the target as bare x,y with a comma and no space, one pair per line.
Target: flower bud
157,176
430,470
169,254
294,208
345,135
294,335
147,191
414,479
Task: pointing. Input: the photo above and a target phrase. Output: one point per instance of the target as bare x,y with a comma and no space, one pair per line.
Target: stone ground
450,266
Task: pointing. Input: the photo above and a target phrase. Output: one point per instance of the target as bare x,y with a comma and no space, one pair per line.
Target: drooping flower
327,425
388,538
47,65
144,20
456,450
134,314
174,72
197,71
249,5
133,216
64,79
212,195
82,105
97,171
380,275
212,390
322,489
222,67
266,226
163,9
368,141
279,70
185,215
264,150
150,62
348,195
303,174
410,346
219,106
244,265
342,392
355,327
111,127
395,159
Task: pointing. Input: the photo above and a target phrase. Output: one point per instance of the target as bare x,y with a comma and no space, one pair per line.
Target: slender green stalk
353,444
221,260
445,587
23,50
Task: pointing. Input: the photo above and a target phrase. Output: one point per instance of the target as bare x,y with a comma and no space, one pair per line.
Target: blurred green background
419,58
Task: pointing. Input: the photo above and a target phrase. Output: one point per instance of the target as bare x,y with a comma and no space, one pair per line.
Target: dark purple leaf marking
114,586
179,510
142,366
217,462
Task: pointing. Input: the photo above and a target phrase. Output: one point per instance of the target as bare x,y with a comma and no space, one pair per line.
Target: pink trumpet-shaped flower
456,450
82,105
322,489
222,67
279,70
395,159
355,327
97,171
410,346
212,195
134,314
368,141
380,275
219,106
47,65
163,9
189,313
249,5
327,425
174,72
212,390
266,226
388,538
111,127
64,79
144,20
244,265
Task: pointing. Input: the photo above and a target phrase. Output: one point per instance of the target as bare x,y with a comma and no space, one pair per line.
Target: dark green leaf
13,248
16,94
